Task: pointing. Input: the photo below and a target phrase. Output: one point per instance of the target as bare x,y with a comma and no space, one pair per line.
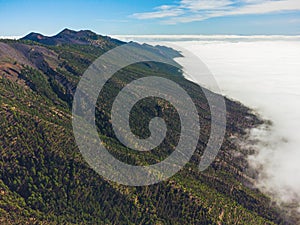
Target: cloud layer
263,74
197,10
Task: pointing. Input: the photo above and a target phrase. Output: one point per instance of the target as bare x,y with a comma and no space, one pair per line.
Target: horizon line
16,37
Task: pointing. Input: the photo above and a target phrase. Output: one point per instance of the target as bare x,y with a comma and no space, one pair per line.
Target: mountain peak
34,36
66,36
66,31
77,34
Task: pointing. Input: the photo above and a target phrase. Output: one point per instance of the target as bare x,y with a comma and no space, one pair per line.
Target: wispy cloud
160,12
111,20
294,21
205,4
197,10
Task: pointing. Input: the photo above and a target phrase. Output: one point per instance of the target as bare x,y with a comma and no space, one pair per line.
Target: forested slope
45,180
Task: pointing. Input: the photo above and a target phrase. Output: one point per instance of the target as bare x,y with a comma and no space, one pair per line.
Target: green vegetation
45,180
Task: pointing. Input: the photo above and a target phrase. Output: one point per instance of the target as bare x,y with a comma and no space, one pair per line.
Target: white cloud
294,21
10,37
112,21
198,10
161,12
269,7
205,4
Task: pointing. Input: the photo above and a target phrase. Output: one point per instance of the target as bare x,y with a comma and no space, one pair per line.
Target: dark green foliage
45,180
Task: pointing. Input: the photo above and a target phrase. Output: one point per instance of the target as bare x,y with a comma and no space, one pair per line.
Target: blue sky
19,17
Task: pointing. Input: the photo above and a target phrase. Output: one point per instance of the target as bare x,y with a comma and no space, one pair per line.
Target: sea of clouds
10,37
262,72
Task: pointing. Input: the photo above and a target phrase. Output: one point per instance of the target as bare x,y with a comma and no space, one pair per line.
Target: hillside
45,180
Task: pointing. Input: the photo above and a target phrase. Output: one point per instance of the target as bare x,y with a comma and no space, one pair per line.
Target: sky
241,17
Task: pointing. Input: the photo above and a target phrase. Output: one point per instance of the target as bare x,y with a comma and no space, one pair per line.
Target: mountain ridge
67,36
44,178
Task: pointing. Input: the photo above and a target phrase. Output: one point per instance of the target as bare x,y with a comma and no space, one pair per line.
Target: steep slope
44,178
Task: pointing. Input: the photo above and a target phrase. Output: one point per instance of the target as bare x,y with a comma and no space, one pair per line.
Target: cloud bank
264,75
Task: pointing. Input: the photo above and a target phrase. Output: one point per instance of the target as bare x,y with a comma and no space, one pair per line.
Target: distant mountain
83,37
45,180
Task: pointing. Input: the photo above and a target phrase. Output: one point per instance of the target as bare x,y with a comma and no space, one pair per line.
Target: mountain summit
67,36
